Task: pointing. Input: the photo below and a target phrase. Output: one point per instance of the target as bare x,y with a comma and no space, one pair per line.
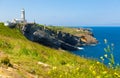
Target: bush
6,61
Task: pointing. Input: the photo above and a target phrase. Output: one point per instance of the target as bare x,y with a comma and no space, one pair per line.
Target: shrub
6,61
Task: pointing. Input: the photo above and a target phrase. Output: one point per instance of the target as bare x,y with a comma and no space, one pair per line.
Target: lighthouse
23,16
22,20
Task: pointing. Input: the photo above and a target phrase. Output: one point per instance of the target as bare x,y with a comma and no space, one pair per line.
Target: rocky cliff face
56,40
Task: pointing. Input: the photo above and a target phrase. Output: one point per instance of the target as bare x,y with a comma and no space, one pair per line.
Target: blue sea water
112,34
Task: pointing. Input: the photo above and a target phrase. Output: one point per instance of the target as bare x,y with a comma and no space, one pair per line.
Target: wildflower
77,68
60,76
105,55
49,72
98,77
117,74
98,62
109,63
94,73
118,64
54,68
102,58
65,73
91,67
104,72
105,41
68,65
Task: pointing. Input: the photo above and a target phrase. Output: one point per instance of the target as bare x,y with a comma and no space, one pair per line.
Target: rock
66,46
56,39
43,64
88,39
70,39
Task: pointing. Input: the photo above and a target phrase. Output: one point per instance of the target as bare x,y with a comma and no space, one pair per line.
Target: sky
64,12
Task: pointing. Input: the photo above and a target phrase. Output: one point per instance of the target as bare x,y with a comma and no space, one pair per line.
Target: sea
112,35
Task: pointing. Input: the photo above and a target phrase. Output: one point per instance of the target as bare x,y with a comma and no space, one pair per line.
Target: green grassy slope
29,59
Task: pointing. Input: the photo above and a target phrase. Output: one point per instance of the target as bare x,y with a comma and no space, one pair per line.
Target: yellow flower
104,72
94,73
68,65
54,68
98,77
49,72
60,76
117,74
98,62
77,68
91,67
65,73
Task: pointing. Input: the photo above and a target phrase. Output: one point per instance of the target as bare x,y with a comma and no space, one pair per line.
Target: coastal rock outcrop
58,39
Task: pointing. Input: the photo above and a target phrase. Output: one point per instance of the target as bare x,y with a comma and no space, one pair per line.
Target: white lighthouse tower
23,16
17,21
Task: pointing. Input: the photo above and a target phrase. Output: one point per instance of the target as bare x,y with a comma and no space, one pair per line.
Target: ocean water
112,34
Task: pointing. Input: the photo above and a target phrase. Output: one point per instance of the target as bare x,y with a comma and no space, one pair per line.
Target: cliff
58,38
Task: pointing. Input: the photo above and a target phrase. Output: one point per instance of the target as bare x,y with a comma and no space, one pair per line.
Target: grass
24,55
73,31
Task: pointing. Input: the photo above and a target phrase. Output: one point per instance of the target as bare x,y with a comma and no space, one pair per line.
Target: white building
15,21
